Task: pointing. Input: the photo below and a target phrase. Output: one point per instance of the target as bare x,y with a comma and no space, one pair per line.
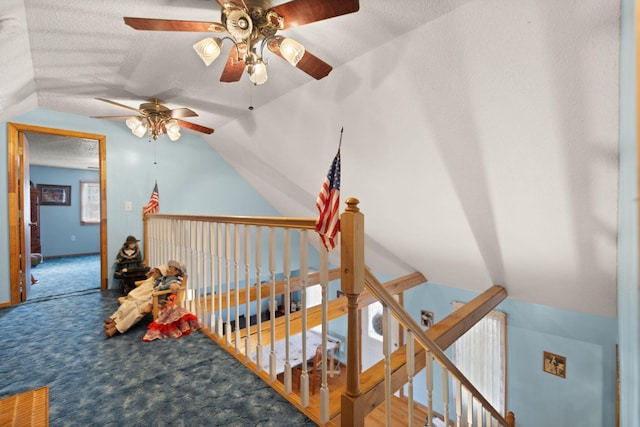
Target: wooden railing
244,268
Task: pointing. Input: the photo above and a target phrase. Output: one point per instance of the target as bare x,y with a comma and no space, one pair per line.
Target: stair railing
355,404
248,267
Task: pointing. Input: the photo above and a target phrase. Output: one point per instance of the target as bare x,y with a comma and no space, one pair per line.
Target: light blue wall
586,397
192,178
60,230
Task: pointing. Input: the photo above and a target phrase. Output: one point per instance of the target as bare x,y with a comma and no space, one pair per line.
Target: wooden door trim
13,157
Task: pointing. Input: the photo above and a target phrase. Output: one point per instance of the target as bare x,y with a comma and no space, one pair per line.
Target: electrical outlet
426,318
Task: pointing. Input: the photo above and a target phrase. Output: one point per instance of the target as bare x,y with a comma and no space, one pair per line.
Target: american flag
328,203
154,202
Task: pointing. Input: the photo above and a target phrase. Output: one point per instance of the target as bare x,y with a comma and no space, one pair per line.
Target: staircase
245,268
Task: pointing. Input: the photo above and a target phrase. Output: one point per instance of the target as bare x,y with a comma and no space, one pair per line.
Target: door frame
15,158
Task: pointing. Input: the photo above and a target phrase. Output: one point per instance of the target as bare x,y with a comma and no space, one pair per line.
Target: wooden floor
399,414
377,418
26,409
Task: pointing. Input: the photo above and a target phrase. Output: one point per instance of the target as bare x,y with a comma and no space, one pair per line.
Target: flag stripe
153,206
328,204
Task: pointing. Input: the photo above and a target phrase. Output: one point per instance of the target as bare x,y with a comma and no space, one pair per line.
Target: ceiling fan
155,119
251,26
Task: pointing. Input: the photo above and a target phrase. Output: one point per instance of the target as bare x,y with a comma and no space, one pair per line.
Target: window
480,354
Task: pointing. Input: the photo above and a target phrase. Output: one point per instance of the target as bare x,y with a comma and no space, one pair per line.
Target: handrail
400,314
265,221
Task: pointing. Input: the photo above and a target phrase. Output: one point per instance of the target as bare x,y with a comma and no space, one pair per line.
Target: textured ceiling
62,152
490,128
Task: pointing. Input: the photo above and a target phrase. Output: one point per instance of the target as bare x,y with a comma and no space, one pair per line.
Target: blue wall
586,397
192,178
60,230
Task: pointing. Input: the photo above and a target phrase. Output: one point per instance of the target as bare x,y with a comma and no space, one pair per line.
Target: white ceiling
484,132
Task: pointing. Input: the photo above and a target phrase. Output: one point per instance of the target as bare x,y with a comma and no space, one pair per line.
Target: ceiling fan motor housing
238,23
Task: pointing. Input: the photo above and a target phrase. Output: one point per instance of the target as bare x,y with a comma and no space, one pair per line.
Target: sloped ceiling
481,137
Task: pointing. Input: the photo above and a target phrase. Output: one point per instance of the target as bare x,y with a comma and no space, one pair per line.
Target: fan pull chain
155,153
250,97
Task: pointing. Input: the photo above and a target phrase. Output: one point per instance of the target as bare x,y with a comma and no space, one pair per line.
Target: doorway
18,198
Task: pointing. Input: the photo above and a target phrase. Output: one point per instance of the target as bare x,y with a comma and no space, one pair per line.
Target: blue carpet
58,340
63,276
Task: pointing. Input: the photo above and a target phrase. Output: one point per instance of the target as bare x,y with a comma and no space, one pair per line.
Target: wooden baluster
195,286
429,371
259,362
227,263
247,280
201,298
236,286
411,370
445,395
352,282
480,415
304,272
324,283
219,236
386,351
272,302
212,278
287,307
458,404
469,409
193,268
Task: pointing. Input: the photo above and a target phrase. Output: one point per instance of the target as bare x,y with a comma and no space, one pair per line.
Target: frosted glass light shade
138,126
291,50
208,49
133,122
258,73
173,130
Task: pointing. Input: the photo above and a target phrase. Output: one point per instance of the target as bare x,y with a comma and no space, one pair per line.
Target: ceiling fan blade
234,67
314,66
301,12
182,112
194,126
309,63
118,104
173,25
113,117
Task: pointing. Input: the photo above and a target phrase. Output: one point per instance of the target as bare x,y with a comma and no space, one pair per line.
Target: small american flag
154,202
328,203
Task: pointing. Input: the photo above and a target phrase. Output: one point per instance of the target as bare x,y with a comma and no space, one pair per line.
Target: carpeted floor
57,340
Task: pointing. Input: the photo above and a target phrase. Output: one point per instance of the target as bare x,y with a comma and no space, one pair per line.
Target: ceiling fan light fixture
208,49
291,50
133,122
138,126
257,72
173,130
141,130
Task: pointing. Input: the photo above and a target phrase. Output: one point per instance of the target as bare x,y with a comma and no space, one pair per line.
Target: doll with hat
129,257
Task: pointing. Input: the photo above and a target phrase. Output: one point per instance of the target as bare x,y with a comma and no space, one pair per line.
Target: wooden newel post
352,283
145,239
511,419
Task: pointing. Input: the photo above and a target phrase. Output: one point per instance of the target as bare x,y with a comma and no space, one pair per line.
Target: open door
18,188
24,219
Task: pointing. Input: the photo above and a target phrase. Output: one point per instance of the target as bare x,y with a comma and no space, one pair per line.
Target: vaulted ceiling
480,136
